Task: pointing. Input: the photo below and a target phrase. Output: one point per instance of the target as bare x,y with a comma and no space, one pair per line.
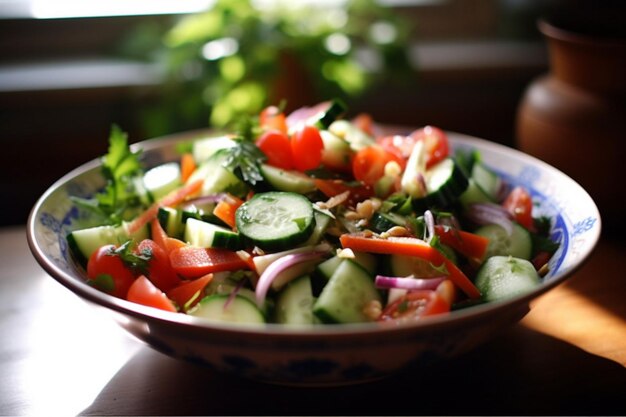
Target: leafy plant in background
241,55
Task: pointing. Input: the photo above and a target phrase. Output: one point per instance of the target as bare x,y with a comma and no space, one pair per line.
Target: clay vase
574,117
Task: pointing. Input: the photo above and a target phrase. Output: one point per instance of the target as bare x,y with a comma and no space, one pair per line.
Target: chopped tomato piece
188,293
277,148
520,205
368,164
436,144
415,304
159,271
144,292
306,147
107,272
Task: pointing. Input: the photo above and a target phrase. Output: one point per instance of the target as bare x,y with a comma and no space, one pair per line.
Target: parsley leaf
122,170
244,158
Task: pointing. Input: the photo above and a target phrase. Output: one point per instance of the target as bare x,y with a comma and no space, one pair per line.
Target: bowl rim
426,324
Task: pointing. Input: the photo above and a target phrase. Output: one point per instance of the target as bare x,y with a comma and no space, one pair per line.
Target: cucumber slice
487,180
351,134
503,277
171,221
346,295
85,242
237,309
322,222
445,182
283,180
518,244
483,186
218,179
337,153
162,179
326,117
208,235
276,221
365,260
381,222
203,149
294,305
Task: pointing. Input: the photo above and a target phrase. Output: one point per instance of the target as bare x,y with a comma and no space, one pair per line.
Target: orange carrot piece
411,247
187,166
174,198
225,210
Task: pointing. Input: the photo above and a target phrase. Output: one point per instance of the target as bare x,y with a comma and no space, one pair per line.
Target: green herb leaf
244,158
136,261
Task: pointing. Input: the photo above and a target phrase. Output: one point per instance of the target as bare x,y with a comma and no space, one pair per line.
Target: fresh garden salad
308,219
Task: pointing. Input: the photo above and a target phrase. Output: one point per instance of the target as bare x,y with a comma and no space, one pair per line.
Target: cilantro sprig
121,169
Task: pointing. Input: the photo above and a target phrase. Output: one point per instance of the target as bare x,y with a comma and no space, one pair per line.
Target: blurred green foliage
242,55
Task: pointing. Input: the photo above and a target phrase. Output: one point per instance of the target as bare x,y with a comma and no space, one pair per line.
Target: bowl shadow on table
498,378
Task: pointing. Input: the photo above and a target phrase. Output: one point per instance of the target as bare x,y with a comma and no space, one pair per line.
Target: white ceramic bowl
333,354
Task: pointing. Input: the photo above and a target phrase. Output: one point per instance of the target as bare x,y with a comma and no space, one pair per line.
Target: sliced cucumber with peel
283,180
83,243
228,308
503,277
294,304
276,220
346,295
445,182
518,244
162,179
208,235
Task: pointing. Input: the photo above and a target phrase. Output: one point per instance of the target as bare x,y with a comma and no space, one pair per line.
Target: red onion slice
430,226
408,283
277,267
490,213
212,198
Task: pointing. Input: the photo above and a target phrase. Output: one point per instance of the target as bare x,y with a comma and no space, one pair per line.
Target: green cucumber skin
261,220
294,304
504,277
346,294
447,195
518,244
239,310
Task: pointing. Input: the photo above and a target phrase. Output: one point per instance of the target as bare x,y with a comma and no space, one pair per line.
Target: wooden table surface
59,356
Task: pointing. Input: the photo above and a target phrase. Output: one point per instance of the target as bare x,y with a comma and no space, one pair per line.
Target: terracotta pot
574,117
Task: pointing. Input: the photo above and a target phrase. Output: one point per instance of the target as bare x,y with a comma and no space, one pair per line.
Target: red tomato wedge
416,304
276,146
411,247
107,271
144,292
306,147
435,142
159,270
519,203
193,262
468,244
187,294
368,164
